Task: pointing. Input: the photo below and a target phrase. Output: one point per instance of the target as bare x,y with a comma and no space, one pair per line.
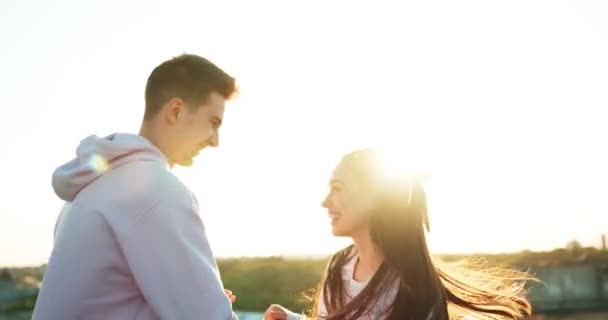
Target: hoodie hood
96,156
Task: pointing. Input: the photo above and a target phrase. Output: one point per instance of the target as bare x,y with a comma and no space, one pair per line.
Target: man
130,243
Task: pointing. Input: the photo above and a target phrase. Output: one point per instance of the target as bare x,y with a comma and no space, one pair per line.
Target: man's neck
148,131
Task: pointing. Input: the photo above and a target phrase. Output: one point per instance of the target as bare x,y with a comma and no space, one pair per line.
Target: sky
502,101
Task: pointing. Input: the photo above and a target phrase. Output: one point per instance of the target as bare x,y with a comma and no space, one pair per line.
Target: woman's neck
368,255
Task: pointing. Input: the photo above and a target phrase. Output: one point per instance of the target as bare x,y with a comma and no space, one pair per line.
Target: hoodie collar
95,156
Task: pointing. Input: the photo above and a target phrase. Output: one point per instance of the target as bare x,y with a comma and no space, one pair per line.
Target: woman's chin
337,232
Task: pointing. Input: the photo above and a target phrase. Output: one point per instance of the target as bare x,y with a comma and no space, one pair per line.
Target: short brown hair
189,77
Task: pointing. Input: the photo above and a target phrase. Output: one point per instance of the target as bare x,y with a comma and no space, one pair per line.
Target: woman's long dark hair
426,290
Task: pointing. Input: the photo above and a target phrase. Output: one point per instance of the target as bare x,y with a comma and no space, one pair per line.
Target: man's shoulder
146,171
129,193
145,181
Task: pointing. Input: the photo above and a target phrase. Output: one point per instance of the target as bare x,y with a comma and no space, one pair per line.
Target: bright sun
394,165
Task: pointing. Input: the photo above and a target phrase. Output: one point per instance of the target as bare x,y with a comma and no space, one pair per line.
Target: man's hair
189,77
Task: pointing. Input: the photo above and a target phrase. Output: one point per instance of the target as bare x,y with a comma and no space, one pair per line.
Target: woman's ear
367,201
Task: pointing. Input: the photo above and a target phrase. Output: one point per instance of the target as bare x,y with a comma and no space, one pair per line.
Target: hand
230,295
275,312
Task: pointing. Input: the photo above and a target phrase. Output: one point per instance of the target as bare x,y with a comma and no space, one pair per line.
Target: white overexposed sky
503,101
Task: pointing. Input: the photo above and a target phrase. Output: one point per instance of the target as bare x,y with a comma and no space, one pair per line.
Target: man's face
198,127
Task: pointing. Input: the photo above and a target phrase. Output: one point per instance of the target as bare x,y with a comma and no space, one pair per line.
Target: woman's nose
325,202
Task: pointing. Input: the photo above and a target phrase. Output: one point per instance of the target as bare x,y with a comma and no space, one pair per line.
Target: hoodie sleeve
173,265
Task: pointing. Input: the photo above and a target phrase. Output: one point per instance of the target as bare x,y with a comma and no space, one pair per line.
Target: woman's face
347,203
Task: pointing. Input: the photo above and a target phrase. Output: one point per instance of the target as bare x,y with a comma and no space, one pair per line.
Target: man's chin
185,162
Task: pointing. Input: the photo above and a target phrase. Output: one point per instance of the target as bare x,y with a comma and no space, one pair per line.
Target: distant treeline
257,282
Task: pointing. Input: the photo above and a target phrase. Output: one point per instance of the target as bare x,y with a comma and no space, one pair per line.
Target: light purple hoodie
130,243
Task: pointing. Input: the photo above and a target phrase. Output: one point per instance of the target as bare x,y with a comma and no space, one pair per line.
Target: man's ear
173,109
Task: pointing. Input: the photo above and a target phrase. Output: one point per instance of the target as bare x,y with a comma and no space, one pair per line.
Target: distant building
6,275
573,283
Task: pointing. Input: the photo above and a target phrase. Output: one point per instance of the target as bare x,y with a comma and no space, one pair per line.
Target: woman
388,272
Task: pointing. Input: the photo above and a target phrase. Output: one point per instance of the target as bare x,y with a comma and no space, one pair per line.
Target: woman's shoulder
387,298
